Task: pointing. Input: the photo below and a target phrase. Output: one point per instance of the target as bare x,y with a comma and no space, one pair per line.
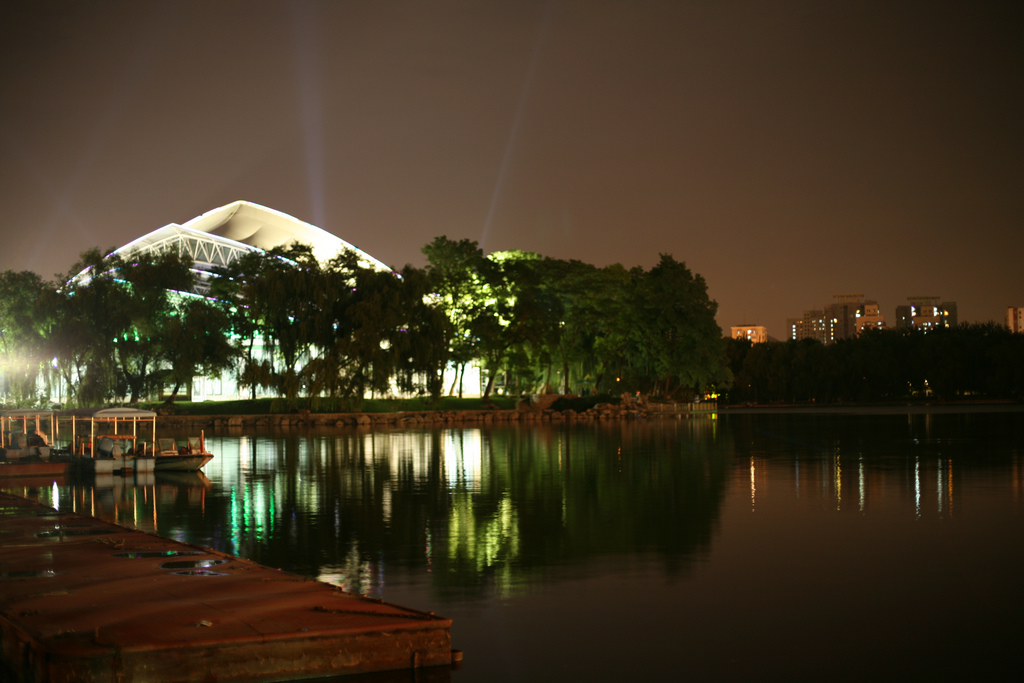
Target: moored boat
191,457
117,442
113,453
26,449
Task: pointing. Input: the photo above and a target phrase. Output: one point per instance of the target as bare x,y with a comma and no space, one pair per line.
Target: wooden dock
85,600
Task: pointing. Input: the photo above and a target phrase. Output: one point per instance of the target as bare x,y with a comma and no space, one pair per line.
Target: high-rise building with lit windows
811,325
869,318
926,313
845,318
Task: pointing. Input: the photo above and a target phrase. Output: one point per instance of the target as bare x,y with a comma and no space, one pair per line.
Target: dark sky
786,151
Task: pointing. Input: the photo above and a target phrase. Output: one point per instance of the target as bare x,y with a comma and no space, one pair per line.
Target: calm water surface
748,547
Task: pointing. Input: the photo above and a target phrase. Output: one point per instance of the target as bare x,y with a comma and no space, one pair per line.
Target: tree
196,343
592,309
21,344
375,330
233,287
515,317
81,320
145,309
675,343
454,270
273,297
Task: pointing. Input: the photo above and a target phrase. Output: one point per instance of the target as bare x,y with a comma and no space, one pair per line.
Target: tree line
968,361
124,328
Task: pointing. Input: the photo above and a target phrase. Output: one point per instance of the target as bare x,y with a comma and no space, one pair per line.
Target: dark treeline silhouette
984,361
130,327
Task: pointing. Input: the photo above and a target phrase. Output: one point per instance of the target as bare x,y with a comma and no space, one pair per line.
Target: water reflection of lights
385,504
861,484
463,456
491,545
917,487
355,575
55,495
837,477
753,485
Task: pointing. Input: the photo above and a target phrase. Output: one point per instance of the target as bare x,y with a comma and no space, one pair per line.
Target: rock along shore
527,412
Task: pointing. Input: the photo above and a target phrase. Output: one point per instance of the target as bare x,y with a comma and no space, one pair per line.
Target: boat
107,440
190,457
119,453
26,449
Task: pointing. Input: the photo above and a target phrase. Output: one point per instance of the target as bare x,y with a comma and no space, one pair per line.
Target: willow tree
517,318
81,320
274,296
455,269
150,286
376,331
592,323
233,287
22,357
196,342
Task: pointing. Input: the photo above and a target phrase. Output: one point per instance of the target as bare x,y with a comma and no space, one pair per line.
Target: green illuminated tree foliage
456,272
22,357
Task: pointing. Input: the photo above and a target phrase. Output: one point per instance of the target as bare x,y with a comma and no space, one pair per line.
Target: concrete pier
85,600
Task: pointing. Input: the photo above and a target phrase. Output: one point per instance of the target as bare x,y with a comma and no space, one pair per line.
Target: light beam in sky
308,78
523,96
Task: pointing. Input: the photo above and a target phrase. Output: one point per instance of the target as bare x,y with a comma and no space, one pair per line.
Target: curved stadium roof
219,236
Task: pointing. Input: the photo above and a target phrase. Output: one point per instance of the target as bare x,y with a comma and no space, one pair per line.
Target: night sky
786,151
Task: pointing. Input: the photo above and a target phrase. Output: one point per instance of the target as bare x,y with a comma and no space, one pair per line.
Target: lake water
790,546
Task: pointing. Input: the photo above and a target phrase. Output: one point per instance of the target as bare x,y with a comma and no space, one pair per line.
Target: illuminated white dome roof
219,236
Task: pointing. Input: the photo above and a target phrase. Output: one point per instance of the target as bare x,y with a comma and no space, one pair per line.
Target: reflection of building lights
838,479
917,487
753,485
463,455
861,482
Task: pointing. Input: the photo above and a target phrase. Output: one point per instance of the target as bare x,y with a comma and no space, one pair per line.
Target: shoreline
425,418
600,413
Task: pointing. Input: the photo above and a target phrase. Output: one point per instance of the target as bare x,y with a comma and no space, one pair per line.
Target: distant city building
926,313
845,318
850,315
811,325
868,318
841,316
1014,319
756,334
